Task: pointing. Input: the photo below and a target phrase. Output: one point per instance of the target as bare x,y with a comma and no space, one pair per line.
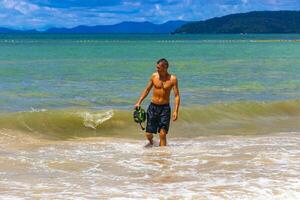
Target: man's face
161,67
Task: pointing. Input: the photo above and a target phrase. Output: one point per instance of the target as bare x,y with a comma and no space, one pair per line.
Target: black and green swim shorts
158,117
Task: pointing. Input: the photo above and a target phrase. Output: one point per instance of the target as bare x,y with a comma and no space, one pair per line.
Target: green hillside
252,22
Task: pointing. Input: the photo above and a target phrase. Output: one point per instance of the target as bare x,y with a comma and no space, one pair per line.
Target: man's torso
161,89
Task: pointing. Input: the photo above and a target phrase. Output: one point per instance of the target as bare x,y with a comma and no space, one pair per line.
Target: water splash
93,120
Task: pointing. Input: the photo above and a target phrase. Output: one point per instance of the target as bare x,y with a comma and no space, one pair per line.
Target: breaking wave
238,118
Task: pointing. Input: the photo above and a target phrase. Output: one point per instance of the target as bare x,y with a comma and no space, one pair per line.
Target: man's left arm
177,99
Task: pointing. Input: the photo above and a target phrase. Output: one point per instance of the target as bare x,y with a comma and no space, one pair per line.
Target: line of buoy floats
156,41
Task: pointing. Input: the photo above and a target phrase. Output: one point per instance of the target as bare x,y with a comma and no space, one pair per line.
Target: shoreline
223,167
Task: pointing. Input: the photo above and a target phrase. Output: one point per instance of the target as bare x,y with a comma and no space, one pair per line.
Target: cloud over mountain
42,14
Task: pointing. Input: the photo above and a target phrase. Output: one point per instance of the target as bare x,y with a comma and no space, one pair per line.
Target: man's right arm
145,92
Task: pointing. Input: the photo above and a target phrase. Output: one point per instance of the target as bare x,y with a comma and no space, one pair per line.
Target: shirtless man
159,111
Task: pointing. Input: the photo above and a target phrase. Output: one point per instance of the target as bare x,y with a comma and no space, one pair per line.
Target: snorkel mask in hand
139,116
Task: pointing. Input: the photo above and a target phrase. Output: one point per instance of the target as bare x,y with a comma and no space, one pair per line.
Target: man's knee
163,133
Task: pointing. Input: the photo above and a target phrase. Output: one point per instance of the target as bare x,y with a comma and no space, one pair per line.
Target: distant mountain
6,30
252,22
124,27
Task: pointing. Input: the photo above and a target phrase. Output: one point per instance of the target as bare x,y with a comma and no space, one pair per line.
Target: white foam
38,110
92,120
222,168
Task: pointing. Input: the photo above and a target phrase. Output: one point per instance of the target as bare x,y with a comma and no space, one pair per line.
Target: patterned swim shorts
158,117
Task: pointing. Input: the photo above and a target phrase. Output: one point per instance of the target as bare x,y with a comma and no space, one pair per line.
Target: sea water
66,127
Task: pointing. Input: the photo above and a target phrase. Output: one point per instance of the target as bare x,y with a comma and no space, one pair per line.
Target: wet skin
162,83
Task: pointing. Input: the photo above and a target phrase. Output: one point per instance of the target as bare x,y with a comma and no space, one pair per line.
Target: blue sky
42,14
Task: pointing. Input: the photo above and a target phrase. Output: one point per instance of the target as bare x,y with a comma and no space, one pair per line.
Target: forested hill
252,22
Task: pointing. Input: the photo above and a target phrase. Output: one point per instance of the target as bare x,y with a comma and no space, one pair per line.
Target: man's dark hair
164,61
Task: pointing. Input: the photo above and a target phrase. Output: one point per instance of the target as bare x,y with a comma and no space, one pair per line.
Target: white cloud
134,4
21,6
27,14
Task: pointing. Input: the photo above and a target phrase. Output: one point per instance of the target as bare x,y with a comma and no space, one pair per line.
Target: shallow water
110,71
236,118
66,127
221,167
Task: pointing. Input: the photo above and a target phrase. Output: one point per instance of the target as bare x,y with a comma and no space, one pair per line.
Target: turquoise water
86,85
100,71
66,127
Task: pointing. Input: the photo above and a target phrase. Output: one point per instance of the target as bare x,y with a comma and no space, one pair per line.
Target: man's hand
137,105
175,115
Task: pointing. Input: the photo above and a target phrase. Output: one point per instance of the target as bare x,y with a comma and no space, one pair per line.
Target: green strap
142,126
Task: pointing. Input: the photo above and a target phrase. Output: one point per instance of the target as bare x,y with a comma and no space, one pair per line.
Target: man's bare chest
162,84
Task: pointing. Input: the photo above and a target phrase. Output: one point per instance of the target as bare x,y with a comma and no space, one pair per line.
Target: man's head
162,65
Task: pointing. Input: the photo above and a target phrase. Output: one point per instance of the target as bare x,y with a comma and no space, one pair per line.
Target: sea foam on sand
218,167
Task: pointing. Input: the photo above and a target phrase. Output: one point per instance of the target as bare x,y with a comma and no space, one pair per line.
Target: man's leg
163,137
151,124
150,137
163,125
